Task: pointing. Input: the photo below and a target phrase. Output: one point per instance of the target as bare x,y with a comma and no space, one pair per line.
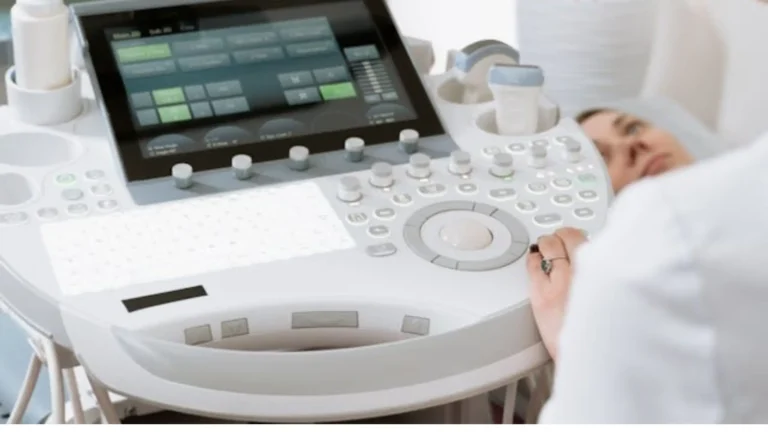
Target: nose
635,147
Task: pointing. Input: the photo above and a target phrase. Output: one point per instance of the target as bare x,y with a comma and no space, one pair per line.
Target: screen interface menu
207,83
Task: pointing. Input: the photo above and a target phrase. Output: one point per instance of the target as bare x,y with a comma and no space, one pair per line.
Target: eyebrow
619,120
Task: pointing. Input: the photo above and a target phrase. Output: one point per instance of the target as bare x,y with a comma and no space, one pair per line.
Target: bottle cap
40,8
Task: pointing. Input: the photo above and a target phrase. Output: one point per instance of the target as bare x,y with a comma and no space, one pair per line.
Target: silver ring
546,264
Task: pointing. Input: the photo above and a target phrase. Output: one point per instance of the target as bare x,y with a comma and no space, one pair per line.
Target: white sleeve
637,345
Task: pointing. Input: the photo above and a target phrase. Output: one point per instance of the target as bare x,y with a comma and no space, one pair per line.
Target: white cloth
667,317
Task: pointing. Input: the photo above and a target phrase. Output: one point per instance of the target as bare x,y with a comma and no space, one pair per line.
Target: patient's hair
586,115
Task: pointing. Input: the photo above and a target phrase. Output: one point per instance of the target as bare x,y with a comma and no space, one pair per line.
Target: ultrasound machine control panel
279,173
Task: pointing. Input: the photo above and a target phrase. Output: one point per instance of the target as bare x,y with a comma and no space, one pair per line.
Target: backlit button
72,194
107,205
357,218
587,178
526,206
467,188
94,174
101,190
402,199
502,194
584,213
66,179
491,151
47,213
77,209
547,220
381,250
432,190
13,218
562,200
588,195
378,231
384,213
562,183
537,188
516,148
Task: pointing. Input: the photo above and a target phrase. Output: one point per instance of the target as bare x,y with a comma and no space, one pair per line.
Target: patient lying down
633,149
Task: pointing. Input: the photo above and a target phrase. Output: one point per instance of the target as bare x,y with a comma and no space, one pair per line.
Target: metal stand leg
57,381
108,412
30,381
453,412
74,395
510,398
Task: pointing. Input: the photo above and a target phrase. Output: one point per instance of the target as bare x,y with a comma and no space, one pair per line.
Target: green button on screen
338,91
175,113
144,53
168,96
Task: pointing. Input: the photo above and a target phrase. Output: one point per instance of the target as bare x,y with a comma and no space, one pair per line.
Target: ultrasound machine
265,211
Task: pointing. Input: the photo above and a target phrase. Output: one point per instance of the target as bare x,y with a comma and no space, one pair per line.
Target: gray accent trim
472,54
516,75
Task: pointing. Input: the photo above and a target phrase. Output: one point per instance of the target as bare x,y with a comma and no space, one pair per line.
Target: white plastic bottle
41,44
516,91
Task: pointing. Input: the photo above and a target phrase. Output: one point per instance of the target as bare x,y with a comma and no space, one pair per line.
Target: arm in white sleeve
637,345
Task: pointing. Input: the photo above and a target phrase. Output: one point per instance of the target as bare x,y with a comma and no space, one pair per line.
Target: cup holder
35,149
548,119
15,189
455,92
486,122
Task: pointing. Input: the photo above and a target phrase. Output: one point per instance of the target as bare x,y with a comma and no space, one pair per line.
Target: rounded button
538,157
502,194
385,213
547,220
516,148
584,213
378,231
298,158
432,190
182,175
242,165
409,141
381,175
403,199
354,148
587,178
461,163
101,190
16,218
503,164
350,189
77,209
526,206
419,167
47,213
66,179
491,151
588,195
107,205
466,235
467,188
357,218
72,194
562,183
540,143
537,188
562,200
94,174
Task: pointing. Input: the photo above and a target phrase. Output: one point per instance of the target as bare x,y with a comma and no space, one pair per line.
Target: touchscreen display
210,82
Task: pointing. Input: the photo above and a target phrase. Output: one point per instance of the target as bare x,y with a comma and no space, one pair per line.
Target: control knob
409,141
298,158
538,157
241,165
350,189
503,165
182,175
419,167
354,148
461,163
381,175
573,151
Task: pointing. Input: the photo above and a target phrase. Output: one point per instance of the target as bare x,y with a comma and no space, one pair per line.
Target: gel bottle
41,44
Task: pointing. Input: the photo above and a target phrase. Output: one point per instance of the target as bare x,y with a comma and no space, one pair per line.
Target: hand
549,292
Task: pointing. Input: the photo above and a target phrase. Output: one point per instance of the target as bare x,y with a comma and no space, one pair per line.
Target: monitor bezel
107,82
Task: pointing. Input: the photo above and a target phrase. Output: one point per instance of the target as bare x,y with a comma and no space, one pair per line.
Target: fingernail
534,248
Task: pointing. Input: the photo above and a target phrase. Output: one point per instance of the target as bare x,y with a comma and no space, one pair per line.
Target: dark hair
586,115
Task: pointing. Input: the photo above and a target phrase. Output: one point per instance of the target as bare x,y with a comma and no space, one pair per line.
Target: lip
656,165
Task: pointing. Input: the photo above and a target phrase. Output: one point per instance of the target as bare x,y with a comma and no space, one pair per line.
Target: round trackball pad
466,234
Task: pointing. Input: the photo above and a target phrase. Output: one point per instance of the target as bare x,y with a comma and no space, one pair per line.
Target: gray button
372,98
503,194
224,89
258,55
421,216
548,219
331,75
389,96
516,229
230,106
588,195
402,199
491,151
562,183
198,335
357,218
359,53
541,143
385,213
432,190
142,100
101,190
381,250
302,96
415,325
562,200
148,69
296,79
13,218
324,319
467,188
448,263
204,62
72,194
197,46
378,231
201,110
516,148
310,48
234,328
587,178
484,209
195,92
147,117
253,38
94,174
567,140
65,179
526,206
304,31
77,209
47,213
584,213
107,205
416,244
537,188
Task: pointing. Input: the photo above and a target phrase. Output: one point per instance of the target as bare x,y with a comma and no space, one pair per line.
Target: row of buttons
519,147
99,190
51,213
500,194
68,179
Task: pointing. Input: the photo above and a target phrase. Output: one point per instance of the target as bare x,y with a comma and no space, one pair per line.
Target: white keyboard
195,236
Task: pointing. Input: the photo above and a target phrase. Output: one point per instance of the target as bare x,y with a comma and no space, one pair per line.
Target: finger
572,238
552,247
534,268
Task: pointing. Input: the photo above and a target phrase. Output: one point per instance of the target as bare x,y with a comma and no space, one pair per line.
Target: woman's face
632,148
